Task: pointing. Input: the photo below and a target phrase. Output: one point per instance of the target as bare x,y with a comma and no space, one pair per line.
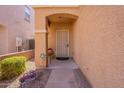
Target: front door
62,43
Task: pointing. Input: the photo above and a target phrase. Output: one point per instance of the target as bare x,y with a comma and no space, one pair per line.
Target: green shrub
12,67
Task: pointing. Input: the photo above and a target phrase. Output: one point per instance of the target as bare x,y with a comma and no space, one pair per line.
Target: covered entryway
48,21
56,26
60,34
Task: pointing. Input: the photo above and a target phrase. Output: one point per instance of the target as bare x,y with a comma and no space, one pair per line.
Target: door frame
57,30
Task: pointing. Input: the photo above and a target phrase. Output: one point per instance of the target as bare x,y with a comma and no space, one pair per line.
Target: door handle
67,45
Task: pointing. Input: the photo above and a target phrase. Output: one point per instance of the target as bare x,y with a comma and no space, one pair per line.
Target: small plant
12,67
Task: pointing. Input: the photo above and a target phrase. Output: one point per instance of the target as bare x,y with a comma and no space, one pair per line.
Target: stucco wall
99,44
12,18
40,49
3,41
42,12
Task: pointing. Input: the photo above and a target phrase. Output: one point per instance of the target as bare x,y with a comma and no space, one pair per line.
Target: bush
12,67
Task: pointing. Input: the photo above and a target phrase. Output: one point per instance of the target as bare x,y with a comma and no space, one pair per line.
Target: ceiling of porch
62,18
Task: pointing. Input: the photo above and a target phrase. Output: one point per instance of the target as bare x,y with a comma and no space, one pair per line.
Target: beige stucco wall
3,41
42,12
98,44
40,48
12,18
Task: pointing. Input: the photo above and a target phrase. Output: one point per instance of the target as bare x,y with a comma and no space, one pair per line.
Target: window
27,13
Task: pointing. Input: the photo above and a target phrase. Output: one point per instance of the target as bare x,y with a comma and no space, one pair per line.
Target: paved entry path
65,74
59,74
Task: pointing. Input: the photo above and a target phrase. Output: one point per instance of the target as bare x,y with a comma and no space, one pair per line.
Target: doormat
62,58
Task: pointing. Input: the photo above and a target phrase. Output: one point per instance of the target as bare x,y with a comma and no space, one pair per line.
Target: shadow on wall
3,40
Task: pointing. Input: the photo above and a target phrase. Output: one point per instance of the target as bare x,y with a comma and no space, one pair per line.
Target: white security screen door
62,43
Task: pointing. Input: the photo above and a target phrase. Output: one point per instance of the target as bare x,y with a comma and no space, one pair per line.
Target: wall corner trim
40,31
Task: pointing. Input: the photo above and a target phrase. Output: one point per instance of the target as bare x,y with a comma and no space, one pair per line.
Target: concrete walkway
65,74
59,74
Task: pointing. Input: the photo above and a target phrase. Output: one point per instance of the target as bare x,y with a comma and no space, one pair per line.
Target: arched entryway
46,19
60,34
